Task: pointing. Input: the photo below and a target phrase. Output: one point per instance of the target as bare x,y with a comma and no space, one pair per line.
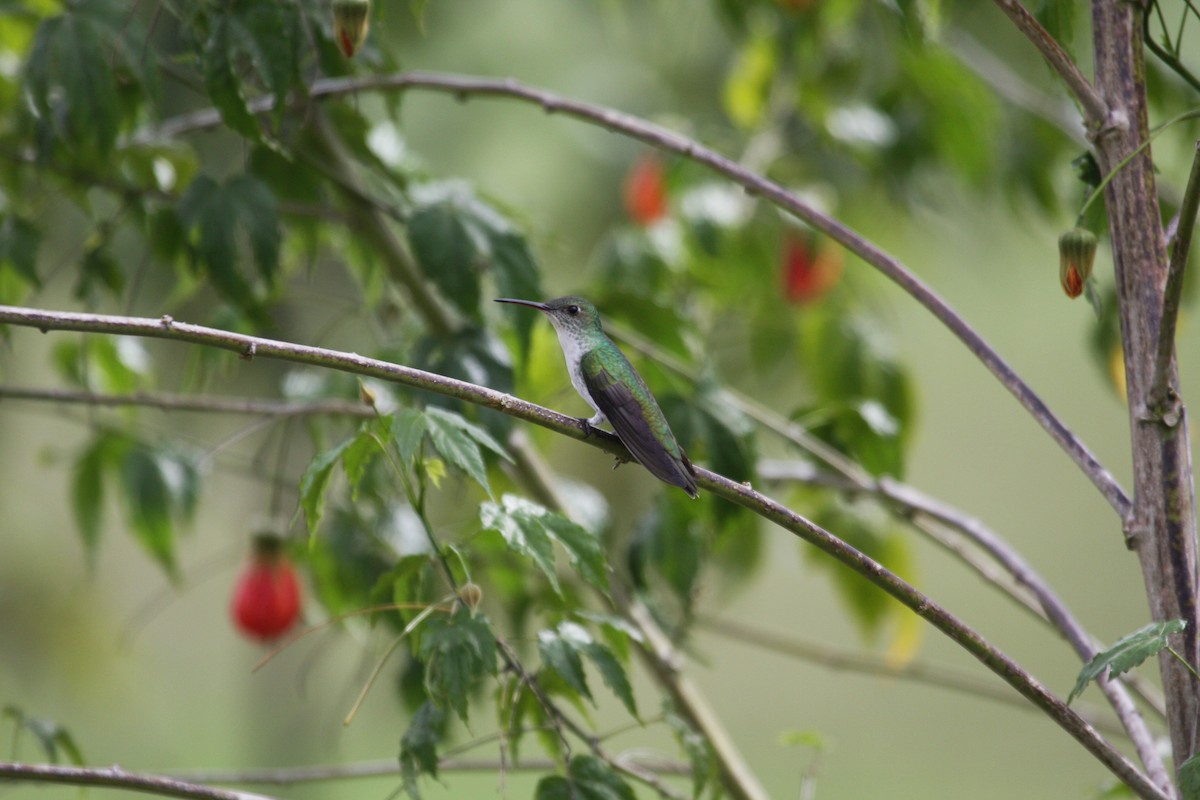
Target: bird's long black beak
530,303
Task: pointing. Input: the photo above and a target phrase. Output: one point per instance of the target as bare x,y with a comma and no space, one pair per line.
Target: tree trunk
1161,528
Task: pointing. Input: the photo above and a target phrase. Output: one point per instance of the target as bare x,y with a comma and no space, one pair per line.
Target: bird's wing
640,436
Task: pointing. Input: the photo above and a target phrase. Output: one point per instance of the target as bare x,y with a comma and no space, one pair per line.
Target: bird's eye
572,310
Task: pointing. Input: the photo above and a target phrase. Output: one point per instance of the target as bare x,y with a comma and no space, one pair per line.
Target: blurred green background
157,680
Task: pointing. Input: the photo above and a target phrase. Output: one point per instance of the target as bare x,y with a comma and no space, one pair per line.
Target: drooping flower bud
351,19
471,595
1076,254
267,597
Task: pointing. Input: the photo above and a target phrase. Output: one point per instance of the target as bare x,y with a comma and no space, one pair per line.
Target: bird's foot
585,425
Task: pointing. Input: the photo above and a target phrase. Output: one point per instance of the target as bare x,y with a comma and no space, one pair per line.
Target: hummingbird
603,376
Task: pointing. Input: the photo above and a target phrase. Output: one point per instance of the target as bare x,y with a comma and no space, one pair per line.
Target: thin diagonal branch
1162,400
117,778
970,640
465,86
1059,60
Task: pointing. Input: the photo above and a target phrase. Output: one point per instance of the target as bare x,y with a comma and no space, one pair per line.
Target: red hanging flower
266,598
808,272
645,191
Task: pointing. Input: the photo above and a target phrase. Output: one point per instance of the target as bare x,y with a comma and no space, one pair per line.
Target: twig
943,620
116,778
1162,400
288,776
1058,58
178,402
634,127
871,664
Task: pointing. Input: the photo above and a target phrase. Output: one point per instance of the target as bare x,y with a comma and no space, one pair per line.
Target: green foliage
211,213
159,487
587,778
418,745
531,531
55,740
1189,779
458,652
19,241
876,536
563,649
1128,652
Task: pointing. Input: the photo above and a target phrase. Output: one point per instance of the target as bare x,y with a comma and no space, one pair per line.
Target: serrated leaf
516,275
408,431
98,269
593,779
613,673
520,522
1189,779
255,208
456,445
583,550
695,747
562,654
87,495
357,457
1128,652
474,431
212,214
223,84
72,84
19,241
458,651
554,787
418,745
265,33
314,483
447,253
148,498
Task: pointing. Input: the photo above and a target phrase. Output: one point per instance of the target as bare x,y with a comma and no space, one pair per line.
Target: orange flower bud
1076,254
351,19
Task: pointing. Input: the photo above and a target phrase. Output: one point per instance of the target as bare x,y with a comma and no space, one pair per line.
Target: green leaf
471,354
221,79
87,490
583,549
696,748
418,745
458,442
408,431
255,208
521,523
448,253
314,483
516,275
72,84
358,456
19,241
98,270
612,672
50,735
554,787
458,651
265,32
593,779
531,530
212,214
1127,653
1189,779
560,650
869,606
148,497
